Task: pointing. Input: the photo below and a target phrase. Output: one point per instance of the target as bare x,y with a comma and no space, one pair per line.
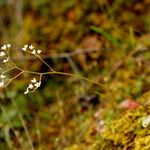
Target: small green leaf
106,35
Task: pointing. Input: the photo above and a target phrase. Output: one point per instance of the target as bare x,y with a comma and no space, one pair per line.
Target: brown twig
62,55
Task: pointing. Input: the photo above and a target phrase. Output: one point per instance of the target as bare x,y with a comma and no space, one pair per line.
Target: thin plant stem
23,124
53,72
13,78
61,73
10,125
8,70
68,74
73,75
46,64
74,68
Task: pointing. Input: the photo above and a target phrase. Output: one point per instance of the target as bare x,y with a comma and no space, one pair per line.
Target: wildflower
33,52
31,47
2,54
30,86
33,85
5,60
24,49
1,83
2,76
37,84
27,91
8,45
4,47
33,80
39,51
26,46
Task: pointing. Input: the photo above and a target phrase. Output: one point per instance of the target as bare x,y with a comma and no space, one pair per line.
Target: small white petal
4,47
1,83
26,46
33,80
31,86
33,52
38,84
39,51
5,60
8,45
2,76
24,49
31,47
27,91
2,54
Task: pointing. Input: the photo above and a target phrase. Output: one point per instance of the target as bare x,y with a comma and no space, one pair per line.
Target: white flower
26,46
5,60
24,49
27,91
33,52
39,51
38,84
2,54
30,86
31,47
33,80
4,47
1,83
146,121
2,76
8,45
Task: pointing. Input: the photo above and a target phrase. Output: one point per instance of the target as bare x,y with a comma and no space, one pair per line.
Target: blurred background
106,41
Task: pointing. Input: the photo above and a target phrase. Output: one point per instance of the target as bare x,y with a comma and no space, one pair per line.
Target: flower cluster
2,80
31,49
5,57
4,54
33,86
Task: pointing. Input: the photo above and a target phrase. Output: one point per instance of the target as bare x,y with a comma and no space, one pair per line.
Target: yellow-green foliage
142,143
127,131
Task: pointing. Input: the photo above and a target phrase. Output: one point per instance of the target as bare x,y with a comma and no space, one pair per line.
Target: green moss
142,143
127,131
